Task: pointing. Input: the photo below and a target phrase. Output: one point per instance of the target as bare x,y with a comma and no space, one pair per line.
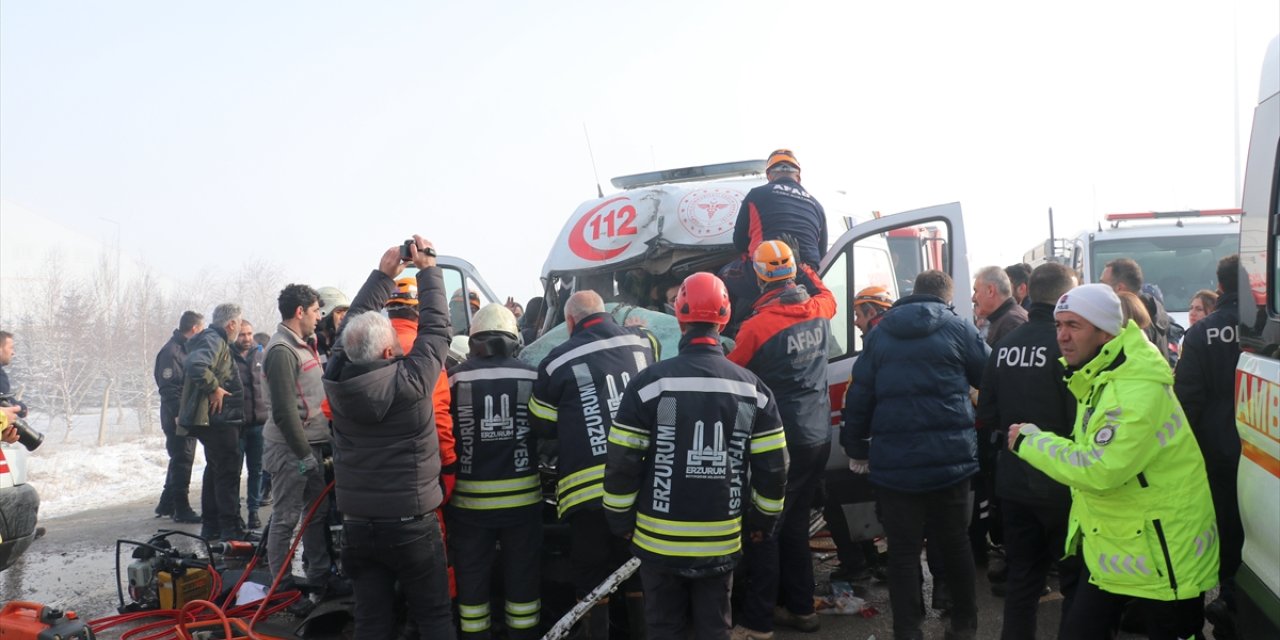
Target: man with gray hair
993,301
387,456
212,412
577,393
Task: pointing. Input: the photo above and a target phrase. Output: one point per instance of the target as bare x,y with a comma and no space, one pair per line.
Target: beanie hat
1096,303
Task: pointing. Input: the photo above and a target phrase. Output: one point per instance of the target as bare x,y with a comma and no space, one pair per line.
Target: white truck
1177,250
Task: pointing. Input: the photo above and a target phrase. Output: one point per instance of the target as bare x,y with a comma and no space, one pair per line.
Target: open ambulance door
862,257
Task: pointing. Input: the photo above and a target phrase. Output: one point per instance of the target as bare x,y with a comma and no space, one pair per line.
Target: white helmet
331,299
494,317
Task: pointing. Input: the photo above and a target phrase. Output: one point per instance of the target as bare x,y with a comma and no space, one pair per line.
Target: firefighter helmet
494,317
331,299
773,261
703,298
406,293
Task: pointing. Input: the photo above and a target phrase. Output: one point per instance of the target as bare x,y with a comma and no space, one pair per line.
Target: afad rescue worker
386,455
1142,517
675,484
498,497
784,342
1205,384
782,208
1023,382
575,397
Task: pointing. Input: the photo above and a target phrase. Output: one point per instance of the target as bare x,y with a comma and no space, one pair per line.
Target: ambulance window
872,266
837,280
459,316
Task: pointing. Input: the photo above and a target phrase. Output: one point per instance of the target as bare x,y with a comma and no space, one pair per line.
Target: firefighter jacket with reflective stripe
680,448
497,456
779,208
1142,517
576,395
785,343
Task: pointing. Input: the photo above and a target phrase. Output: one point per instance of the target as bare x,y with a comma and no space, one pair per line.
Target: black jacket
779,208
907,409
386,455
168,370
254,403
1158,332
1024,382
4,388
687,433
497,479
579,388
1205,384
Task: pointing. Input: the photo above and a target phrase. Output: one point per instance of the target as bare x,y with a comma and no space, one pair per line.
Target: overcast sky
317,134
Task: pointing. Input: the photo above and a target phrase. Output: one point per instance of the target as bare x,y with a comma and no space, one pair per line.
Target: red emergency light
1153,215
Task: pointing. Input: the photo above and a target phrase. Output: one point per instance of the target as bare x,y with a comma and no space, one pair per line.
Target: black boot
182,512
254,522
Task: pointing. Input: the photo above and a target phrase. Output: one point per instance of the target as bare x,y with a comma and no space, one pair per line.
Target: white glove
860,467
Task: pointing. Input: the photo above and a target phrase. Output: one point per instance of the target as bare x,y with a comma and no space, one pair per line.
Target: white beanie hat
1096,303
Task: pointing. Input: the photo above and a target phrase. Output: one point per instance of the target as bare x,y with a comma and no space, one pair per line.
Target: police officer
174,500
1142,516
679,450
785,342
575,397
1205,384
497,499
1023,383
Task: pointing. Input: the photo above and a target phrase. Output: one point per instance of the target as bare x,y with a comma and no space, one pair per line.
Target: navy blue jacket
1205,384
907,409
782,207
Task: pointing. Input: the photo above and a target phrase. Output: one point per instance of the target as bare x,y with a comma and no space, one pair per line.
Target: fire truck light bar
1152,215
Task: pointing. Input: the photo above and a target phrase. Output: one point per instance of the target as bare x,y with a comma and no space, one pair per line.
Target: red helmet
703,298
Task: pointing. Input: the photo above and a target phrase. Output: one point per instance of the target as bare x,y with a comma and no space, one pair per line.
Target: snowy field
75,474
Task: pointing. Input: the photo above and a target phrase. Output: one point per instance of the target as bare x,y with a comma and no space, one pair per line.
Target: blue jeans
377,555
251,449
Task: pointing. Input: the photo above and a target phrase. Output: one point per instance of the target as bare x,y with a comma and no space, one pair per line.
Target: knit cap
1096,303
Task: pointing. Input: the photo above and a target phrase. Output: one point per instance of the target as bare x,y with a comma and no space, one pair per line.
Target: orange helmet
874,294
703,298
781,155
473,299
773,261
406,293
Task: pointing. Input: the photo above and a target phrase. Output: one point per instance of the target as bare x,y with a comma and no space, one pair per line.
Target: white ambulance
662,226
1258,371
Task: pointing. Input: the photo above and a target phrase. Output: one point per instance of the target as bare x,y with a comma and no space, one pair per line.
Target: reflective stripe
766,505
523,608
629,340
580,477
689,529
1205,540
522,622
703,385
768,441
543,410
464,501
578,497
620,501
687,549
473,618
497,373
1118,564
626,438
497,486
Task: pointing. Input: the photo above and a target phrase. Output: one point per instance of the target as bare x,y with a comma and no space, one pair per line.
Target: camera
27,437
406,251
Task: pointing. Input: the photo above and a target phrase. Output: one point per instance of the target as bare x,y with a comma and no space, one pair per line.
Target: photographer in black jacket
1023,382
386,454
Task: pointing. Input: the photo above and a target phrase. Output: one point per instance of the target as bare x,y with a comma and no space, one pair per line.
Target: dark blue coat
907,409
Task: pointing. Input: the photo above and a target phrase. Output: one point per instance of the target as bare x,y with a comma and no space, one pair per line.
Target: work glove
308,465
860,467
447,482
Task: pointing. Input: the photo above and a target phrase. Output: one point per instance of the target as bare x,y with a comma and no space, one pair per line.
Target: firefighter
675,482
785,342
498,498
575,397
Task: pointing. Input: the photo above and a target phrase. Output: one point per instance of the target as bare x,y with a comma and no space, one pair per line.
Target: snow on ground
77,475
